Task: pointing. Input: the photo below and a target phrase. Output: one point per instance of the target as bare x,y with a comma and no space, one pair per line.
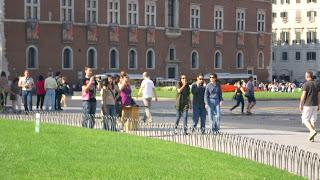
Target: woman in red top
40,91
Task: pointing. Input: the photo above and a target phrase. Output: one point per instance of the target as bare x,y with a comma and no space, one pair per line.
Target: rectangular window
113,11
273,56
150,14
298,1
32,9
132,9
274,37
311,56
311,37
66,13
261,20
298,16
240,19
285,56
298,37
274,1
298,56
311,15
91,11
284,37
171,13
218,18
310,1
172,54
195,17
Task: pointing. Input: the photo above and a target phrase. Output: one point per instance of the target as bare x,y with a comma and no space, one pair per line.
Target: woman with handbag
239,97
108,104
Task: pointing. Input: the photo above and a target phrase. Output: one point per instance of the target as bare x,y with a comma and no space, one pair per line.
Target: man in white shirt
50,85
148,90
26,83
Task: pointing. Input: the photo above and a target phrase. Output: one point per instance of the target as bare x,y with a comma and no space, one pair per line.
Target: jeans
109,117
89,111
239,100
40,100
27,100
179,114
214,114
147,114
199,111
50,97
58,100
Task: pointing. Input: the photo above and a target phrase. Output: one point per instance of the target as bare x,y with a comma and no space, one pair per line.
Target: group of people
278,87
50,91
207,97
116,93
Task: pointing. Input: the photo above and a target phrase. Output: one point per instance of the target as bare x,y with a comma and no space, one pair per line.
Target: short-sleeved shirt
250,89
27,83
312,90
148,87
92,88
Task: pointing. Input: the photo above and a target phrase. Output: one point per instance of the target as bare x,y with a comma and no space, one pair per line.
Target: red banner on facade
195,39
240,39
151,36
133,35
92,33
219,38
67,32
114,34
33,31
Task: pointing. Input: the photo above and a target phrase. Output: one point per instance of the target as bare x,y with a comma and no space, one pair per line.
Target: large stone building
296,47
164,37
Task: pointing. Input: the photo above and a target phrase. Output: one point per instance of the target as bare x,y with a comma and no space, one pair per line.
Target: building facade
295,40
164,37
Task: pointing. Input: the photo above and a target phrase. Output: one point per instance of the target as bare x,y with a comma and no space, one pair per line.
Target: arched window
114,59
132,59
260,60
67,58
194,60
218,60
239,62
92,58
150,59
32,57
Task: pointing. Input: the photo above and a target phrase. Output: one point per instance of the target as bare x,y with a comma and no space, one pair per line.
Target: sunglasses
183,78
200,78
212,77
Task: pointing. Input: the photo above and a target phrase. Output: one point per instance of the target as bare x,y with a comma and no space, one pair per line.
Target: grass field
60,152
262,95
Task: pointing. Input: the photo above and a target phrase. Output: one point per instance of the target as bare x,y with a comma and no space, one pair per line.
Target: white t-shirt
147,91
26,83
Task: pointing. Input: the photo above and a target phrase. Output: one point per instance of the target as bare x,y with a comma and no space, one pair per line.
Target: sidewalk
299,139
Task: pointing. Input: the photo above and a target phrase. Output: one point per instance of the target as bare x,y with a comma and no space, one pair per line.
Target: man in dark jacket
199,110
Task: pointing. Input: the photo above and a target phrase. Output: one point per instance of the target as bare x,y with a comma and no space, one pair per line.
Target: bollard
37,128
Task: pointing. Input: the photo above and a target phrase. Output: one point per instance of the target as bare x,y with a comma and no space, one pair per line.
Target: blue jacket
213,92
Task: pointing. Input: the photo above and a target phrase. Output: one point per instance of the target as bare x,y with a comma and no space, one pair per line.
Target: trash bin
130,118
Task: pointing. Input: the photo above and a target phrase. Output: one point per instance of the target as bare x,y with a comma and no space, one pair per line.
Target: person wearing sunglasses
182,102
213,101
198,105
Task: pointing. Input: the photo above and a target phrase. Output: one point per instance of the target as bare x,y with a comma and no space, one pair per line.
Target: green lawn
73,153
171,93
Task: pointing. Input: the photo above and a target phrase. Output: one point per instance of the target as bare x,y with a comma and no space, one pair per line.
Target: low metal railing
289,158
